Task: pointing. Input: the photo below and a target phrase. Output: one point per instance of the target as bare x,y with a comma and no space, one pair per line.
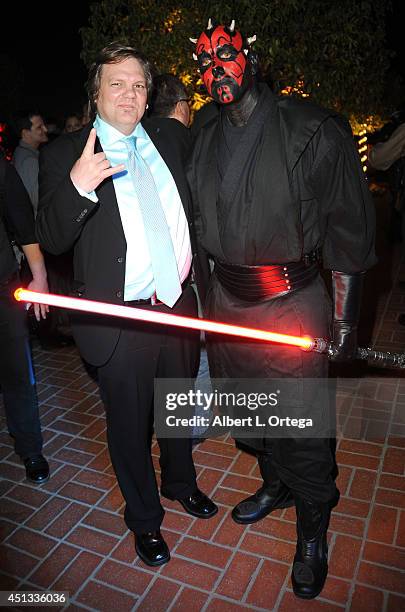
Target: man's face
121,99
38,134
223,65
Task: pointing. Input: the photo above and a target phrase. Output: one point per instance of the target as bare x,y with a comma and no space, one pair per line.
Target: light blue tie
163,259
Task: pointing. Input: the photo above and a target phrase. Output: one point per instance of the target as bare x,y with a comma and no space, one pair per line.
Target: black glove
347,291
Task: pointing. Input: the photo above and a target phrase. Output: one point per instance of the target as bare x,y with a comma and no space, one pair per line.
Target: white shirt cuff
90,196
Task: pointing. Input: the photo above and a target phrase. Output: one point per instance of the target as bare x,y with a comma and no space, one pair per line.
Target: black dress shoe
37,469
152,548
199,505
259,505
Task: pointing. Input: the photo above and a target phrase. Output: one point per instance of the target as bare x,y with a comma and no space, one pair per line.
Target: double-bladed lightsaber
306,343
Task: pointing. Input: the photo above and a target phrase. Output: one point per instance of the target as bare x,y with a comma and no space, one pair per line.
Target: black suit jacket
179,134
66,220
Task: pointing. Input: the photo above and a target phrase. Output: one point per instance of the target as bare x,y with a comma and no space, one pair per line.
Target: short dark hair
22,120
114,53
167,91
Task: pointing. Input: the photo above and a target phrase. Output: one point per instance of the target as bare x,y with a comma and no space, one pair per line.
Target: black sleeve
347,214
62,211
19,214
202,265
190,170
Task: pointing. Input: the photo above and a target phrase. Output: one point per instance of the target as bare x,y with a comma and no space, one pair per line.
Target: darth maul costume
277,187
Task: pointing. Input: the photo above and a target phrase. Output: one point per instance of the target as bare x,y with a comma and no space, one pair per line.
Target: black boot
311,559
272,495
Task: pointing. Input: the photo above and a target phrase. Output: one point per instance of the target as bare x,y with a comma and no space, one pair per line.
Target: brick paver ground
69,534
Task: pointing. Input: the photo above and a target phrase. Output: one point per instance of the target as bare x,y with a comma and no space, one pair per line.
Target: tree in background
332,51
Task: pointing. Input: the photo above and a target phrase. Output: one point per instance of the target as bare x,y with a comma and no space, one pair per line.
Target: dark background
44,47
395,36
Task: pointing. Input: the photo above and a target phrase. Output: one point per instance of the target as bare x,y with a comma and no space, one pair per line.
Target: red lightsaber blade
319,345
153,316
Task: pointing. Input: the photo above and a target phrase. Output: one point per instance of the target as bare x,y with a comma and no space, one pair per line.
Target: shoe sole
202,516
287,504
36,481
151,563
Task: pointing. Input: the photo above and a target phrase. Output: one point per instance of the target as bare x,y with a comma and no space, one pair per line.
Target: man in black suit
169,109
170,99
97,187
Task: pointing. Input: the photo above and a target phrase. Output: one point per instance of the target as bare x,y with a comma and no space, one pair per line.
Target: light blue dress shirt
139,282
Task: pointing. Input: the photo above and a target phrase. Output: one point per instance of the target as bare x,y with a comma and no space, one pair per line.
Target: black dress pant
145,351
17,378
304,464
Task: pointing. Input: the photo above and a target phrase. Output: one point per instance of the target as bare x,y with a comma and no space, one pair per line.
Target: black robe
294,184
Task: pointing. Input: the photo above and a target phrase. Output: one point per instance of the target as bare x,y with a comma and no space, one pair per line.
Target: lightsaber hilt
383,359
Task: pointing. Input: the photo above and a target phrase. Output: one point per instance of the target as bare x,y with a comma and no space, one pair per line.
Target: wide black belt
256,283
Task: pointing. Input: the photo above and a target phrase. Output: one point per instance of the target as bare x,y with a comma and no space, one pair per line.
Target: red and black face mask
223,64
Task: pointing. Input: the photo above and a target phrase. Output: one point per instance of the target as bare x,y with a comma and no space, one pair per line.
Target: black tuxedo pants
145,351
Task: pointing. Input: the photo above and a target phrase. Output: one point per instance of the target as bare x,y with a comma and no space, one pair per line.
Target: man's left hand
40,285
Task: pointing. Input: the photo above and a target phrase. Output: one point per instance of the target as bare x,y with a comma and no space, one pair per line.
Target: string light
363,149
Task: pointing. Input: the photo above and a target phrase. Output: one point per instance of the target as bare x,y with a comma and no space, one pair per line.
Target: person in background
170,105
72,123
100,190
170,99
32,132
17,378
384,154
